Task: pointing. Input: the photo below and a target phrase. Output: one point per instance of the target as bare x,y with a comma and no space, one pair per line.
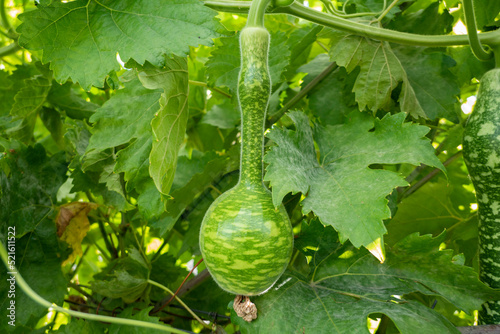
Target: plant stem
3,17
180,302
73,272
428,177
83,292
382,326
141,249
165,302
9,49
38,299
496,53
112,251
256,13
102,252
213,89
330,7
386,11
381,34
303,92
475,44
191,284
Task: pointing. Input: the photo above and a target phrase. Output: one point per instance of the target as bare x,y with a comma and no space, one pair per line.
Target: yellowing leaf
73,225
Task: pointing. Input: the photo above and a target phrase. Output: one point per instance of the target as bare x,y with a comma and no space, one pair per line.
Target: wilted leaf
73,224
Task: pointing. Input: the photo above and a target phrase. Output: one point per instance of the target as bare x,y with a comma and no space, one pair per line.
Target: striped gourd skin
254,90
481,148
246,242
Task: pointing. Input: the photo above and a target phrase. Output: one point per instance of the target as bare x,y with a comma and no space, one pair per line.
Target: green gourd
246,242
481,149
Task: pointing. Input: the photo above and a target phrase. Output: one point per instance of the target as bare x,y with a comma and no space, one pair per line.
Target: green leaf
28,102
31,97
300,43
125,278
340,188
223,65
126,116
346,285
39,177
223,116
468,66
443,204
485,12
7,94
10,86
202,172
134,162
66,99
373,6
165,271
432,20
438,96
53,122
78,136
380,72
81,38
149,201
38,257
169,124
332,98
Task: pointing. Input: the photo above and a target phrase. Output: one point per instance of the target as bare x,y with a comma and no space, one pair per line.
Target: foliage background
119,126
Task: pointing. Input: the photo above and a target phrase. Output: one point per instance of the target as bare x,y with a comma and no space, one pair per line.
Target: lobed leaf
81,38
340,188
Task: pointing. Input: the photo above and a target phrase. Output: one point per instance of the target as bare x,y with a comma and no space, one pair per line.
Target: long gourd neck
254,90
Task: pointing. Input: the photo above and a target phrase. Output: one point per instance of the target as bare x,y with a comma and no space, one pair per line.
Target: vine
45,303
381,34
474,41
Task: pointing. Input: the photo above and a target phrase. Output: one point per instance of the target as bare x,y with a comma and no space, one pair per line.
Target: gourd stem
475,44
256,13
12,270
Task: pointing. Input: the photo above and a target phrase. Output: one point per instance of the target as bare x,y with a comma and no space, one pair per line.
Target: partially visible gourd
481,149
